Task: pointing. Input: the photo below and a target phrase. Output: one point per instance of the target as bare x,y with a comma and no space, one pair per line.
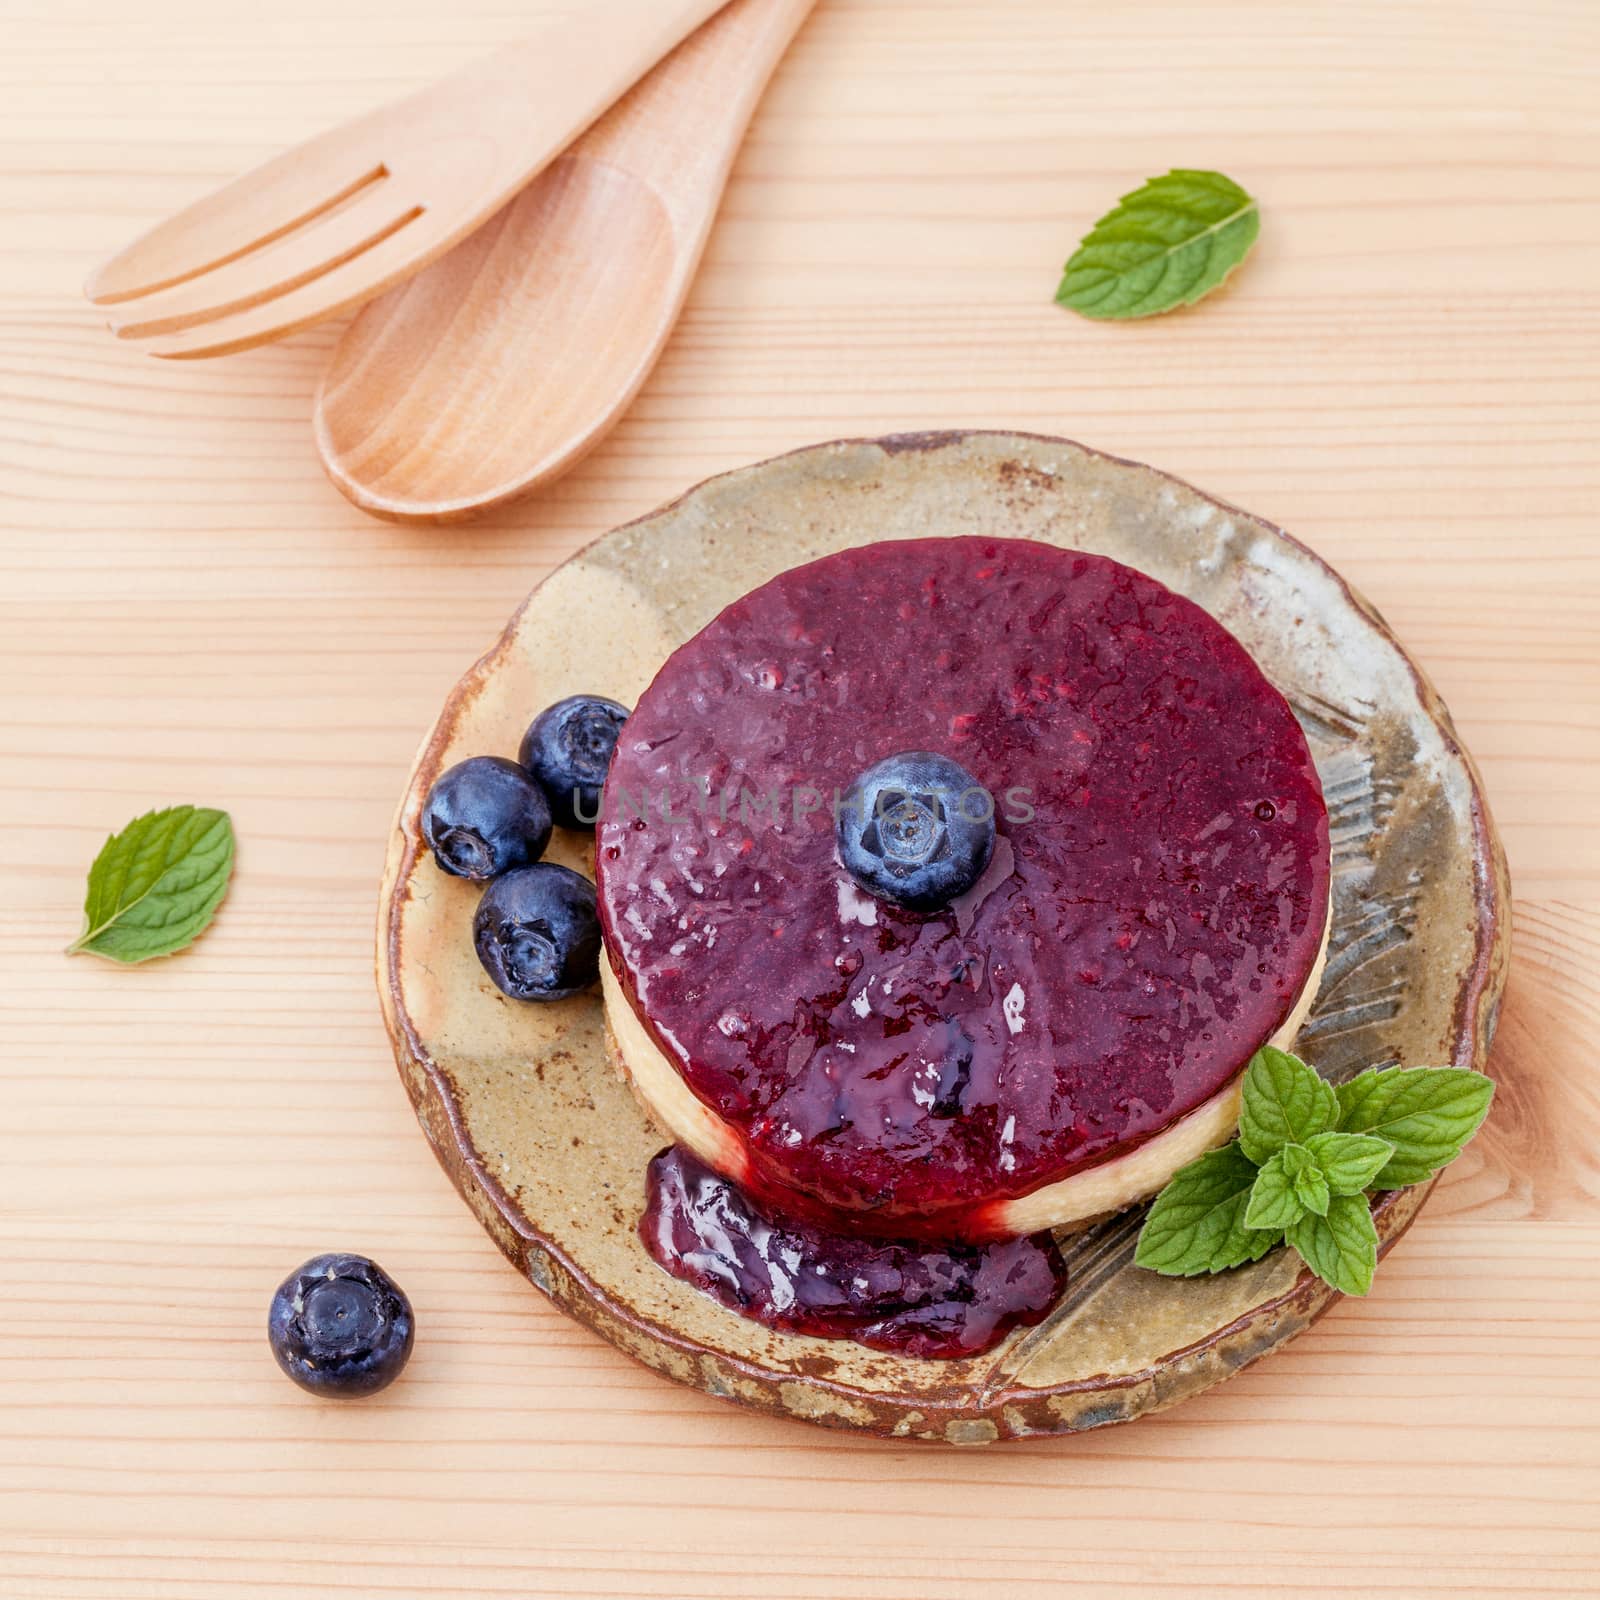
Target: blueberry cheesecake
947,888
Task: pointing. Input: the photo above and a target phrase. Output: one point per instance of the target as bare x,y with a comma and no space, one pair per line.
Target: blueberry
537,933
917,829
568,748
484,817
341,1326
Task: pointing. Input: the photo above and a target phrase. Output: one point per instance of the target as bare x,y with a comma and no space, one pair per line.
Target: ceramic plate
529,1117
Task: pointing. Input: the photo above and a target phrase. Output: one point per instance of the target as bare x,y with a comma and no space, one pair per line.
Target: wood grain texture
1404,375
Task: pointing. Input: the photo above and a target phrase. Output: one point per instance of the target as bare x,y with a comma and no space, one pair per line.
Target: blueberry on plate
916,828
341,1326
484,817
537,933
568,749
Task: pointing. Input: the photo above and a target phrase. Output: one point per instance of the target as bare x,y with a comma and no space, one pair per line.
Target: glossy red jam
1154,905
919,1299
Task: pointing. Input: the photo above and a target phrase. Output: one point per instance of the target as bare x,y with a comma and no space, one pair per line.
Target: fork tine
344,287
253,211
265,274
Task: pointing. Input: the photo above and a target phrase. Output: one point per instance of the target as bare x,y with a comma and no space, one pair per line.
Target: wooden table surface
1405,375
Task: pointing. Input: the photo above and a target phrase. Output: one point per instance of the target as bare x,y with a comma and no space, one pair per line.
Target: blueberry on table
568,749
341,1326
484,817
537,933
917,829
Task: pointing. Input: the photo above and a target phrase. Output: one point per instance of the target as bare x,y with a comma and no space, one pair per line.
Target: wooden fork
326,226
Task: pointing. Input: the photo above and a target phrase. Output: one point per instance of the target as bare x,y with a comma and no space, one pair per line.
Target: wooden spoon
512,356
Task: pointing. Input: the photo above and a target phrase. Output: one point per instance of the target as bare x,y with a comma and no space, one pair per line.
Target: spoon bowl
507,360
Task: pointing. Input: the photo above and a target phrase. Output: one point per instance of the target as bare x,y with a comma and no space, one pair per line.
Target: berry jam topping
484,817
341,1326
536,933
916,828
934,1301
568,748
1152,908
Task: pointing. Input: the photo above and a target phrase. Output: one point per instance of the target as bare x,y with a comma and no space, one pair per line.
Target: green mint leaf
1164,245
1273,1202
1285,1102
156,885
1427,1113
1342,1247
1311,1185
1197,1222
1349,1161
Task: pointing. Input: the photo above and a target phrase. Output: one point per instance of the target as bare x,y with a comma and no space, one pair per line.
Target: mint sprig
1302,1166
155,886
1164,245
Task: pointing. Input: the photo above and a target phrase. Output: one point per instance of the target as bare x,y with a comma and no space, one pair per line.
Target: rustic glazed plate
529,1117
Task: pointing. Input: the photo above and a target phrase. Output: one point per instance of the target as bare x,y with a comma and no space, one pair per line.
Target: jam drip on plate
919,1299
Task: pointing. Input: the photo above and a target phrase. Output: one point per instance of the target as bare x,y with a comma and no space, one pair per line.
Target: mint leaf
156,885
1285,1102
1197,1223
1310,1184
1164,245
1427,1113
1273,1202
1342,1247
1304,1157
1349,1161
